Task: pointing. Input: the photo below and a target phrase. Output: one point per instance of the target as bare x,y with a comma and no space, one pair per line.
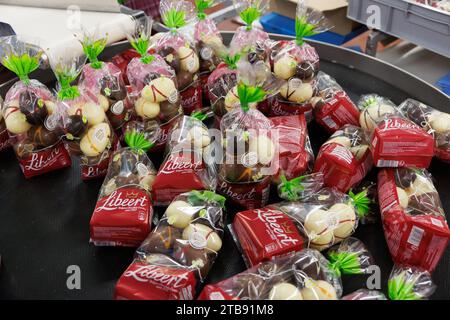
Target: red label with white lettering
143,281
181,172
417,240
285,108
122,219
191,98
47,160
398,142
337,112
250,195
265,233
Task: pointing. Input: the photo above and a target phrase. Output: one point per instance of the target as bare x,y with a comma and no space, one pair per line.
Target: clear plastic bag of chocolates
332,107
190,231
28,113
345,158
365,294
188,164
249,148
154,87
351,256
301,276
410,283
82,119
4,137
105,80
433,121
408,196
374,109
209,43
300,187
295,154
123,213
297,64
177,47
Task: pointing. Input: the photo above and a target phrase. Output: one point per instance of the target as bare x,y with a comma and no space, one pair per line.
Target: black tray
44,222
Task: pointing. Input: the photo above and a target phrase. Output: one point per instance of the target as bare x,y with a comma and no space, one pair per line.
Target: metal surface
44,222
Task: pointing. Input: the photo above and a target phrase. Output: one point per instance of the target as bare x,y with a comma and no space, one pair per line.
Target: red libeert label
399,142
285,108
191,98
181,172
265,233
251,195
4,140
417,240
47,160
293,158
213,292
340,168
143,281
122,219
441,153
337,112
165,130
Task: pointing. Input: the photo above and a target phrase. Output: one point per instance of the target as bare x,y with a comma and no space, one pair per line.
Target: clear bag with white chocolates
432,121
28,112
374,109
190,231
81,117
177,47
410,283
105,80
303,275
297,63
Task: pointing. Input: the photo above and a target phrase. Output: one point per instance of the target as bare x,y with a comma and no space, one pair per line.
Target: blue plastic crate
444,83
276,23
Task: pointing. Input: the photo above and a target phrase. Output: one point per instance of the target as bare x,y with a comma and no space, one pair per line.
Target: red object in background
192,98
248,195
46,160
336,112
144,281
399,142
122,60
265,233
122,218
281,107
415,240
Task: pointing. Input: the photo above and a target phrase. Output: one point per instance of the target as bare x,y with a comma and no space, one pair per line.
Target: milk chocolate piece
42,137
32,107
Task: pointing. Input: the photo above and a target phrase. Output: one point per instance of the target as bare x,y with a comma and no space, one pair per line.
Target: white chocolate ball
189,60
359,151
147,109
199,136
285,67
159,90
319,290
370,117
103,102
213,41
93,113
16,121
346,218
300,93
341,140
264,148
213,240
402,198
232,100
439,121
179,214
95,141
420,186
285,291
317,228
51,106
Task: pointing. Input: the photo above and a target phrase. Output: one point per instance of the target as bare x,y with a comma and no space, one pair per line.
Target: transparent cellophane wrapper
221,83
350,257
369,213
325,218
365,294
300,276
190,232
410,283
301,187
435,122
374,109
3,132
105,79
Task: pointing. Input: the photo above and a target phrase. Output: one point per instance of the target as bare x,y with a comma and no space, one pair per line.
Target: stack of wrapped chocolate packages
231,124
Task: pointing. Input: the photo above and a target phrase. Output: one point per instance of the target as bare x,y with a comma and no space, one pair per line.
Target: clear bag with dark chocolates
187,164
29,113
177,47
123,214
297,64
410,283
433,121
154,87
301,276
